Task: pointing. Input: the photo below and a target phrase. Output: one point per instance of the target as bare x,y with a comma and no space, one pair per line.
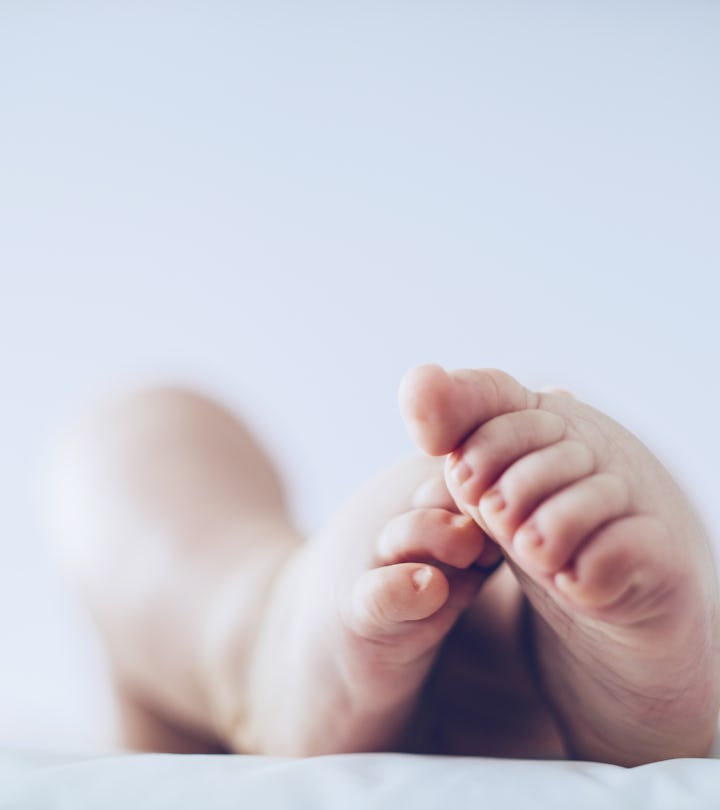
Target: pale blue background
291,203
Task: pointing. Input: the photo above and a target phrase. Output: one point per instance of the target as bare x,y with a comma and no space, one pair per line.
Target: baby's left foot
609,552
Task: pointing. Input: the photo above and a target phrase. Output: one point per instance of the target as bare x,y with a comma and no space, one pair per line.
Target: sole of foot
612,558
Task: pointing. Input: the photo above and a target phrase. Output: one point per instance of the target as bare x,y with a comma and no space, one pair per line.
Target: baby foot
355,620
612,558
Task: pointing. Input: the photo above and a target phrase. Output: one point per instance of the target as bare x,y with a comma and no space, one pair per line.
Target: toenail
527,539
421,577
461,521
460,471
492,501
566,577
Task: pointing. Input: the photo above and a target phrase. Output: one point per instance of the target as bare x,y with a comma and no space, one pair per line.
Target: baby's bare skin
610,554
360,636
384,631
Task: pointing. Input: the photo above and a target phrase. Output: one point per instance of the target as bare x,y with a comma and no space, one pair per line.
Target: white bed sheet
392,781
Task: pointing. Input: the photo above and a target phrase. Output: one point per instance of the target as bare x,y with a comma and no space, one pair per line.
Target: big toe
441,408
385,599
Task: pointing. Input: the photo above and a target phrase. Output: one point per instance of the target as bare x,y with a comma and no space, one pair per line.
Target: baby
535,585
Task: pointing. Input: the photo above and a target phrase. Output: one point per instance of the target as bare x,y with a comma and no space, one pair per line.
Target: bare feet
611,556
357,617
224,628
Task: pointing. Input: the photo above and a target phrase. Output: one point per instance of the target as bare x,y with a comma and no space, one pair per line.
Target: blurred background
288,204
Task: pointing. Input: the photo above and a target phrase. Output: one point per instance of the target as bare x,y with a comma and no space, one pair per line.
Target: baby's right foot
615,565
356,617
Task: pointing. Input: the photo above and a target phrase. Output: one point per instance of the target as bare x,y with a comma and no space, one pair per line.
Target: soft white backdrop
289,204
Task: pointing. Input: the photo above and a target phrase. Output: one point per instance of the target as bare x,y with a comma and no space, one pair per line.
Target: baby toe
531,480
434,535
556,529
442,408
384,599
492,448
624,570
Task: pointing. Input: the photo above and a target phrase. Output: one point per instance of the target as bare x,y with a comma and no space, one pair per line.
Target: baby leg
174,525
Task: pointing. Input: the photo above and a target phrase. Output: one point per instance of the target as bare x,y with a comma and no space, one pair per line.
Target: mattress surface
348,781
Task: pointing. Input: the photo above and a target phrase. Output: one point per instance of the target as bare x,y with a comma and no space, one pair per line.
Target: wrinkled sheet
392,781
